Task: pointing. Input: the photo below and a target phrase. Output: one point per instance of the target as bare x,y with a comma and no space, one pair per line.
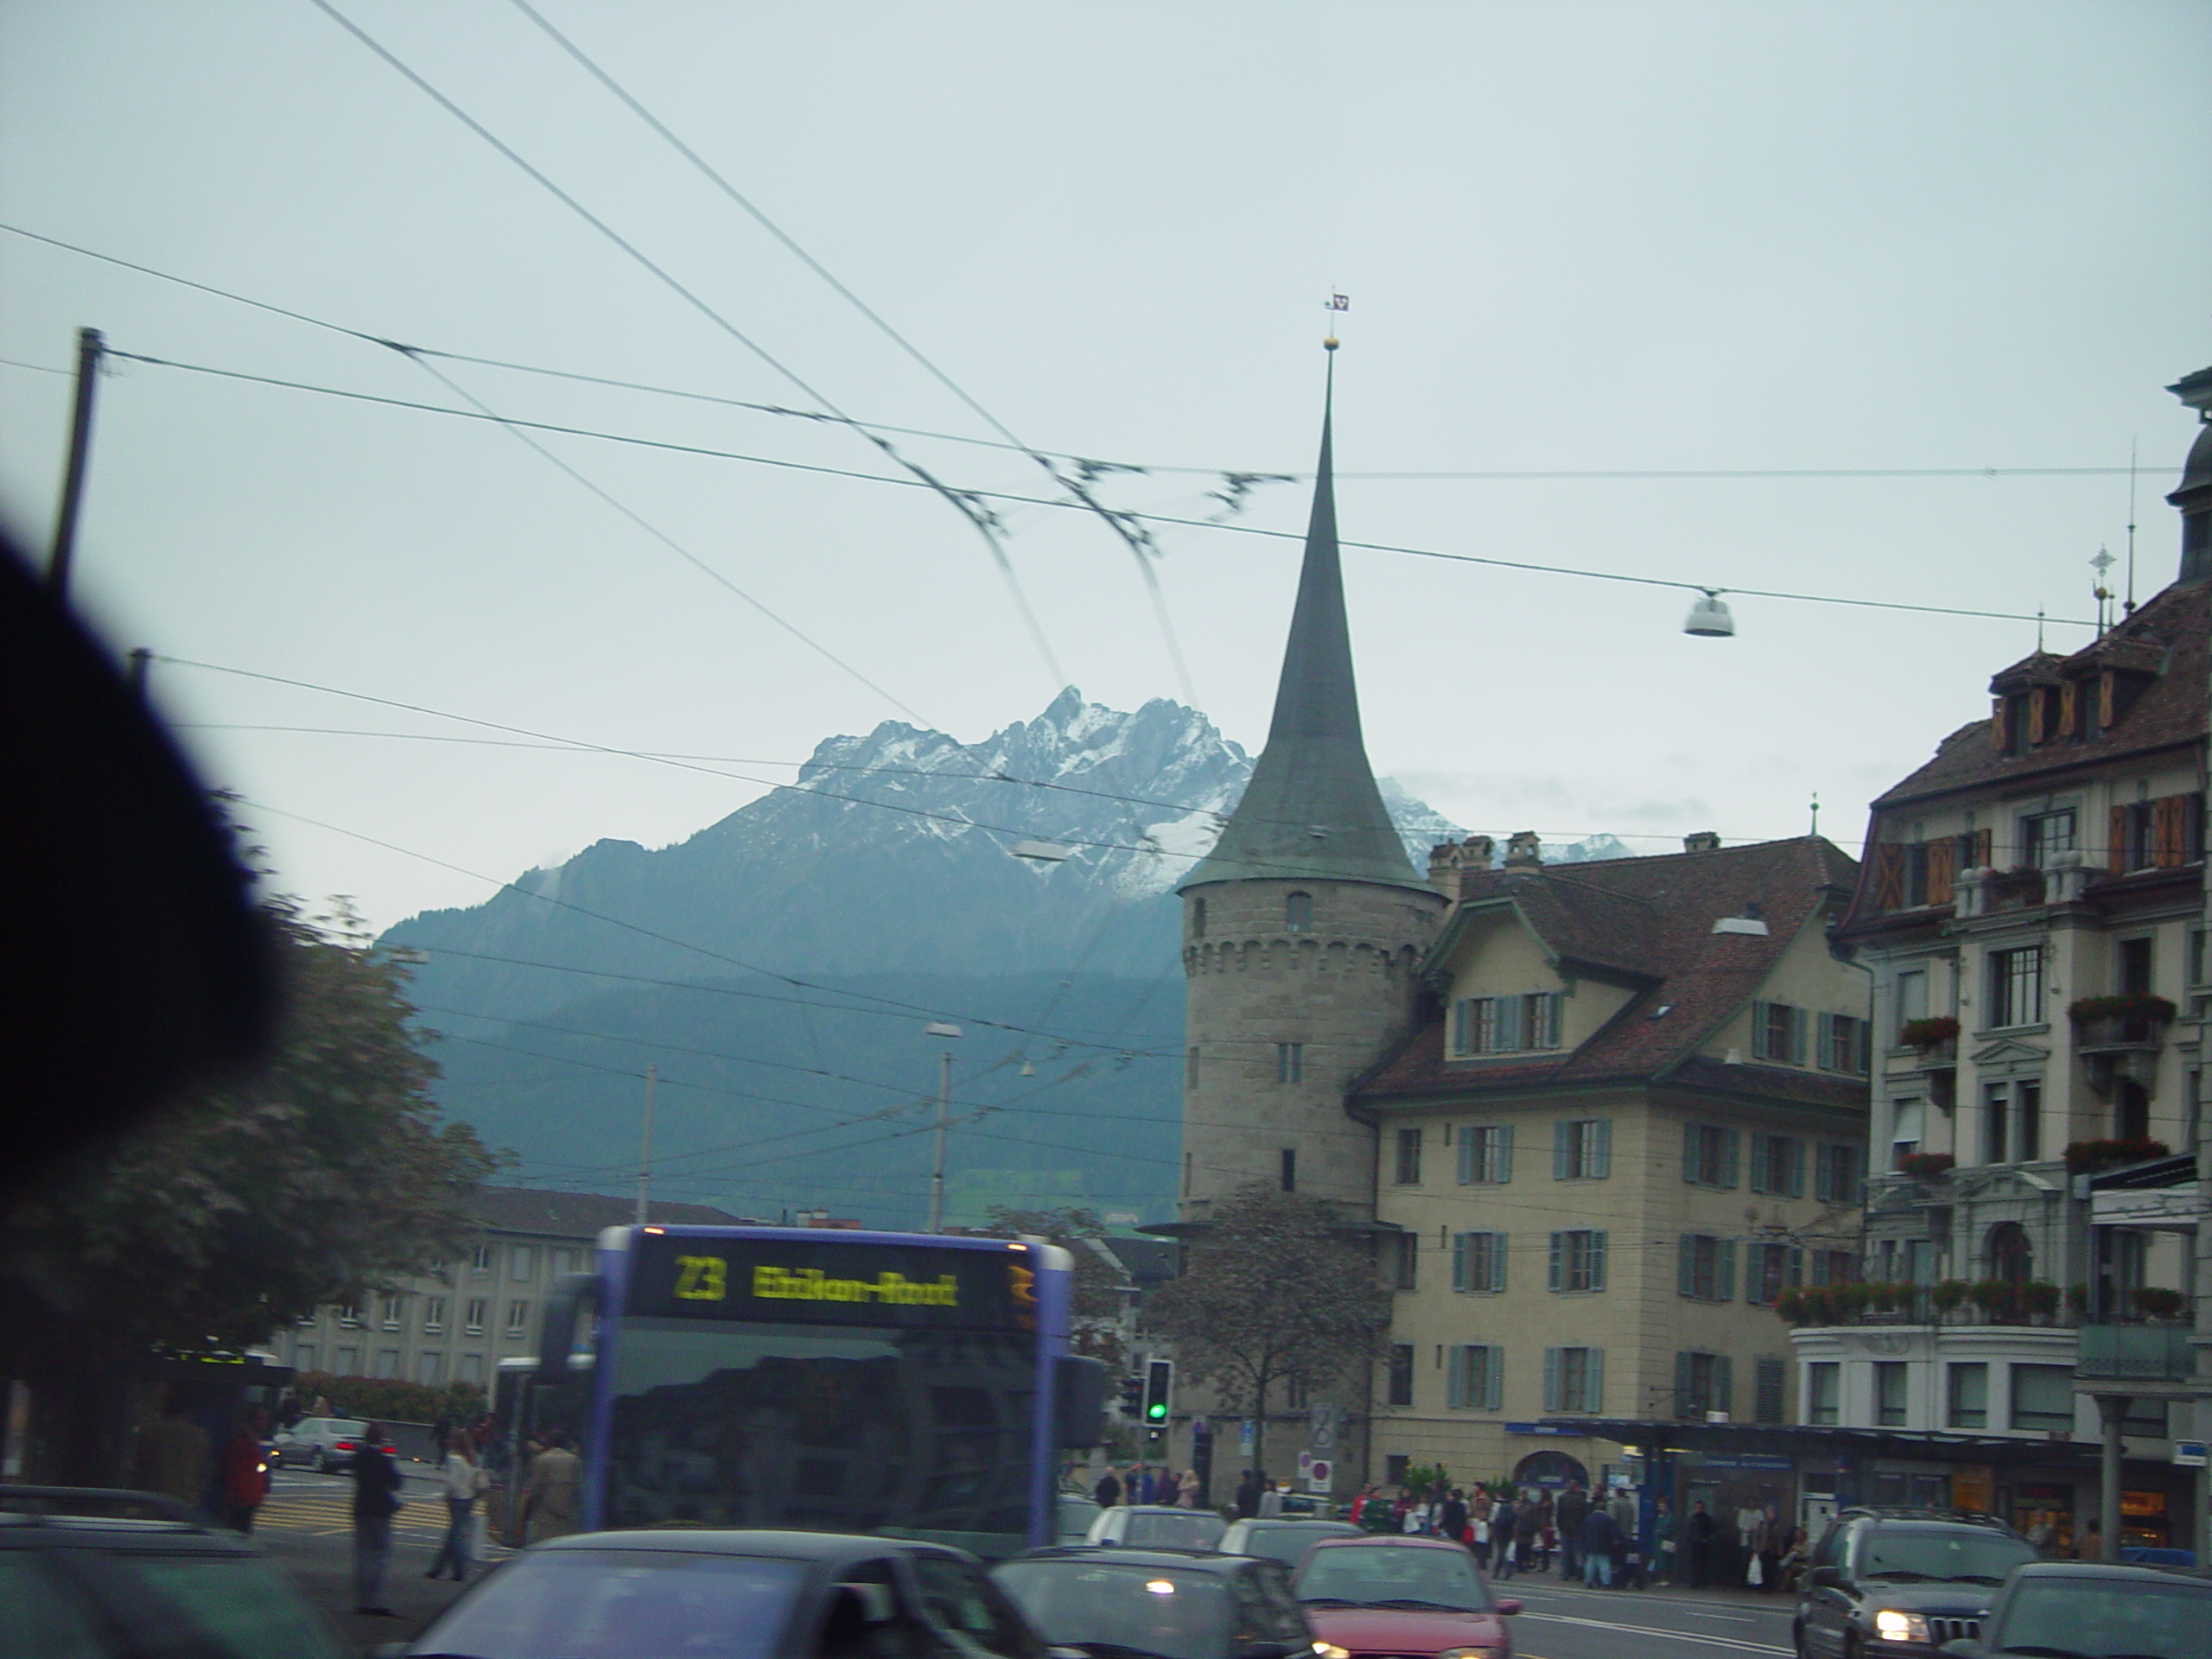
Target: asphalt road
306,1530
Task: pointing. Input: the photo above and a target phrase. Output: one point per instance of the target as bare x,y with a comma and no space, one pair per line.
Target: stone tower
1301,929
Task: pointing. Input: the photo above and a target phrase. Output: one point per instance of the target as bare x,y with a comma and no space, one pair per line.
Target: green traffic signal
1158,1412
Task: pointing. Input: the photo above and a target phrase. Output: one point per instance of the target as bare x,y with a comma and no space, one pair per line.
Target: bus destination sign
916,1286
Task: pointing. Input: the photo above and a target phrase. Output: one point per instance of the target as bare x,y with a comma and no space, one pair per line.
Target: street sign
1200,1426
1305,1465
1323,1433
1320,1476
1244,1436
2189,1454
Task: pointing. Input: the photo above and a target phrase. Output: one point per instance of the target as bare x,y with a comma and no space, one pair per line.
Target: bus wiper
1115,1651
1900,1574
1416,1601
2056,1653
1974,1578
1328,1601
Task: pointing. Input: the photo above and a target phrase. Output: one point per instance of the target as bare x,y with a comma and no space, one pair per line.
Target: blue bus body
908,1384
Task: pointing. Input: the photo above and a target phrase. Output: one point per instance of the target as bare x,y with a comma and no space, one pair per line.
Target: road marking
1728,1642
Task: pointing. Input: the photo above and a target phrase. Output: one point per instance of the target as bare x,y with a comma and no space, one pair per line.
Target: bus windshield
846,1387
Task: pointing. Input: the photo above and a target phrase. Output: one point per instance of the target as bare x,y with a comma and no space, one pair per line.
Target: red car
1402,1596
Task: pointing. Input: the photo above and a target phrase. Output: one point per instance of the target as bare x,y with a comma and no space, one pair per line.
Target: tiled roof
577,1215
2167,634
1650,920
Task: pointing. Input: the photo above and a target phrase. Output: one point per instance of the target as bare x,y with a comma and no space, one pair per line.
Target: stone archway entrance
1554,1470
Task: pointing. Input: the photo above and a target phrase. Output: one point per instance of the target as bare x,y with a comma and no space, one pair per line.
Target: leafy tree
1098,1297
323,1174
1271,1294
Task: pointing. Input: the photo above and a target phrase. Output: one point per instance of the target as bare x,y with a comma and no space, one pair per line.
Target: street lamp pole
940,1028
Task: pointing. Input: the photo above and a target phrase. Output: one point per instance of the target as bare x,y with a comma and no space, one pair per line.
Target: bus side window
974,1615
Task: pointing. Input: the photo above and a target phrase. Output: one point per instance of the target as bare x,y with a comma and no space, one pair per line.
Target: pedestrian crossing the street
330,1515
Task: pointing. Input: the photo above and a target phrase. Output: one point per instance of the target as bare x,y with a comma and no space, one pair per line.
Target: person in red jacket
245,1471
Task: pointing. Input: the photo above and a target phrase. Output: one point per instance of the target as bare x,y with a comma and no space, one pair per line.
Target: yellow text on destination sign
812,1285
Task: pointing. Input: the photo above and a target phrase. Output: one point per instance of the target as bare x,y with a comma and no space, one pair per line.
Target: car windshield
1174,1530
1373,1575
1289,1544
345,1427
1960,1554
2108,1618
622,1604
1076,1515
1115,1610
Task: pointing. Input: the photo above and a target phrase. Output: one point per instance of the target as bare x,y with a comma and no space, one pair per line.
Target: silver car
322,1443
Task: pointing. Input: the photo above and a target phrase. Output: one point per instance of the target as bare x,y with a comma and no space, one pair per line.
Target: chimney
1448,861
1476,852
1702,841
1523,851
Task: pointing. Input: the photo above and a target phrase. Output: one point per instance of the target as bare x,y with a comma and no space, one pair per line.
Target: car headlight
1891,1625
1330,1650
1468,1653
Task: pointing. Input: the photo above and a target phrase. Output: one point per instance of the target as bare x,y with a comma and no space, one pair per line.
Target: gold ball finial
1328,344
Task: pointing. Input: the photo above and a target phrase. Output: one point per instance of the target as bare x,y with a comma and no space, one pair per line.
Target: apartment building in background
457,1323
1634,1116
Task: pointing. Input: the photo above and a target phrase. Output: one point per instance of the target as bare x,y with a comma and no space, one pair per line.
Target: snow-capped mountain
894,853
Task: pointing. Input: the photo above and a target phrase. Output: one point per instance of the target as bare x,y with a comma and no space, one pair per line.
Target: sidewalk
1724,1594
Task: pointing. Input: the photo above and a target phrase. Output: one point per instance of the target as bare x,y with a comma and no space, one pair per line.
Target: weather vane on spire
2102,563
1337,303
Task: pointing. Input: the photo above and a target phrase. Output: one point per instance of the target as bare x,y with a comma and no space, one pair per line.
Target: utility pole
645,1148
940,1028
72,479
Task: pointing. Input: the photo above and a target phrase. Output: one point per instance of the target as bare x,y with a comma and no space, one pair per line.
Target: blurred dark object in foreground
136,961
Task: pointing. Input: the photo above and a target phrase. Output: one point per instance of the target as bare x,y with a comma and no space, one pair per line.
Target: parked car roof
1146,1555
787,1546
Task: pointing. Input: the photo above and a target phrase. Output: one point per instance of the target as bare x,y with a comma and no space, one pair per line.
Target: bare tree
1272,1294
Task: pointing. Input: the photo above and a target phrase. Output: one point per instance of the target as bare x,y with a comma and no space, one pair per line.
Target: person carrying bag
465,1483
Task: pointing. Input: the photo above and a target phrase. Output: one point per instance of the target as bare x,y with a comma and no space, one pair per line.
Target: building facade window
1769,1383
1832,1267
2011,1122
1966,1394
2043,1397
1474,1379
391,1312
1407,1275
1287,1171
1506,1025
1582,1149
1197,918
1823,1392
1578,1261
1839,1173
347,1361
1408,1161
1912,999
1191,1066
1778,1166
1478,1262
522,1266
518,1318
1401,1386
477,1312
2016,987
2043,836
303,1355
1908,1124
480,1259
387,1362
1298,913
1844,1044
430,1365
1486,1154
1710,1154
1889,1376
471,1368
1778,1033
1772,1269
1574,1379
434,1313
1705,1268
1703,1382
1290,1062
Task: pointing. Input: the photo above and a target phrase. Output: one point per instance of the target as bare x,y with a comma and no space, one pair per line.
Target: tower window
1298,913
1197,918
1290,1062
1290,1169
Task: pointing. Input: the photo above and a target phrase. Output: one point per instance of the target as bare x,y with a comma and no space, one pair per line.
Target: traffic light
1158,1375
1132,1396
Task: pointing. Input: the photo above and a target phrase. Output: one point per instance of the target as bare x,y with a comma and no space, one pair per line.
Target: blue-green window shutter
1601,1147
1505,1152
1759,1028
1796,1182
1594,1380
1498,1261
1506,1011
1862,1057
1686,1265
1793,1272
1458,1261
1825,1052
1731,1143
1559,1251
1724,1383
1762,1176
1684,1382
1724,1270
1459,1026
1551,1380
1455,1376
1798,1022
1563,1149
1466,1156
1689,1152
1596,1260
1493,1381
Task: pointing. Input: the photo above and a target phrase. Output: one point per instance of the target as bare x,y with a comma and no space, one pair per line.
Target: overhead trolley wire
984,521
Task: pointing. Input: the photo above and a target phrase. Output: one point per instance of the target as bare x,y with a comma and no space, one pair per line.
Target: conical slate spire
1311,809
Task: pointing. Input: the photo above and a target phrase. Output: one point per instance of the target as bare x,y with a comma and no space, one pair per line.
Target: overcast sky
1574,237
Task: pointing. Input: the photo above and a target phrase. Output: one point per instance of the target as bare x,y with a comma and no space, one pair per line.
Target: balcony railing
2119,1033
2136,1353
